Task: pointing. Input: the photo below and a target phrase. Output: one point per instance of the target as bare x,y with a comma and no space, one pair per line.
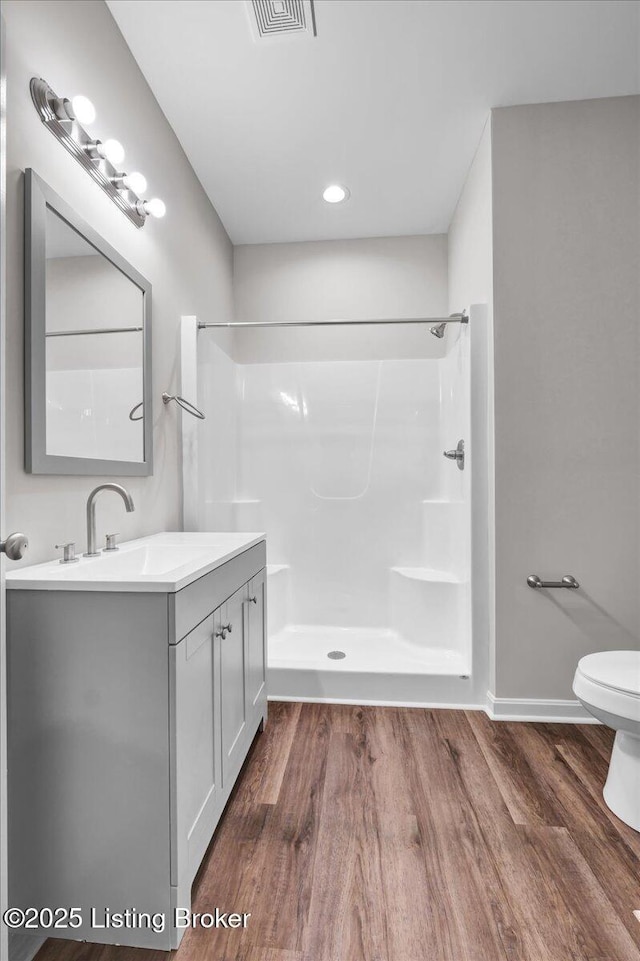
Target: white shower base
379,667
307,646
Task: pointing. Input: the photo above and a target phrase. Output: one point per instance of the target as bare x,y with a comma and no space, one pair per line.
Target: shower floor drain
336,655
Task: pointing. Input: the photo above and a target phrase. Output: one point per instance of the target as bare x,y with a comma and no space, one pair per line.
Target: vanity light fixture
335,194
101,161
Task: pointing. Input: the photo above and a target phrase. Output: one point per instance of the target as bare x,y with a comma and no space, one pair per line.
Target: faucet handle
111,542
69,552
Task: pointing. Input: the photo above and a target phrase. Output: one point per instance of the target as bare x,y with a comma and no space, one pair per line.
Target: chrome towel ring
185,404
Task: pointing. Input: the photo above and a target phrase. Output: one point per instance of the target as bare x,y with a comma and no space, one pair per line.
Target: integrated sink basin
164,562
150,560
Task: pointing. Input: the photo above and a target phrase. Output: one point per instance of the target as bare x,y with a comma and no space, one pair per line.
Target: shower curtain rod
92,330
452,319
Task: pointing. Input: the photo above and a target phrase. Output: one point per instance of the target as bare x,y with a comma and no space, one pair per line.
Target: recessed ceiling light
335,194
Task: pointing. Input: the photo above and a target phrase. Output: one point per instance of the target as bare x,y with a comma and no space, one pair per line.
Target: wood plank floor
384,834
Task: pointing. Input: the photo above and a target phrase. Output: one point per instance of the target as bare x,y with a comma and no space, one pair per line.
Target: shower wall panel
340,463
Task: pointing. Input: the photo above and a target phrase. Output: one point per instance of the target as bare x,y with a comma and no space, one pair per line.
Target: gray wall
320,280
373,278
566,253
470,242
76,46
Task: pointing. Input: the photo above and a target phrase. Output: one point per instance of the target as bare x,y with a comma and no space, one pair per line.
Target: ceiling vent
279,18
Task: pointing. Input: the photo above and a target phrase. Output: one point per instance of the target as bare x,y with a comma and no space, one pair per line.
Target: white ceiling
389,99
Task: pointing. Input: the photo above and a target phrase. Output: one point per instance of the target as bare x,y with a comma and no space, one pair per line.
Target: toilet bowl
608,686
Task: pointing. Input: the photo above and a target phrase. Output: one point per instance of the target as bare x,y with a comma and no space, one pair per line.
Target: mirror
87,347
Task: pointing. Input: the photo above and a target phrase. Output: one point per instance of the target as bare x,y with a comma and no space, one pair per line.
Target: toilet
608,686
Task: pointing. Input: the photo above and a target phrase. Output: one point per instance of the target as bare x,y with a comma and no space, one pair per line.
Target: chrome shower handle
457,455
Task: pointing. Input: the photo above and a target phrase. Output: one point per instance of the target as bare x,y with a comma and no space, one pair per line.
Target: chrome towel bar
567,581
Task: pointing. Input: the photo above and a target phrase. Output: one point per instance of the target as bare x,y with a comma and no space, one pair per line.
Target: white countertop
162,563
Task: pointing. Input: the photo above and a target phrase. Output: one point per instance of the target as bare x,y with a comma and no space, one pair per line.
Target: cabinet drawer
193,603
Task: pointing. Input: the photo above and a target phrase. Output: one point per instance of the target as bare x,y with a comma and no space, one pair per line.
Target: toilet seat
610,681
617,669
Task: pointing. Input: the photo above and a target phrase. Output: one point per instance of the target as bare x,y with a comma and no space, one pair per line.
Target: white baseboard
525,709
368,702
497,708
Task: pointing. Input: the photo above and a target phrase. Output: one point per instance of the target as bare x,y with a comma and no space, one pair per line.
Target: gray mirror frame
37,197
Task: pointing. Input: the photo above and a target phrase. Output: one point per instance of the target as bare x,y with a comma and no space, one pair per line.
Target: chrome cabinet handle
15,546
567,581
224,630
252,600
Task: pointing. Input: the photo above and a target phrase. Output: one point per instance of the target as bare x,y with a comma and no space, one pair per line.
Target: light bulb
83,109
335,194
155,207
135,181
113,151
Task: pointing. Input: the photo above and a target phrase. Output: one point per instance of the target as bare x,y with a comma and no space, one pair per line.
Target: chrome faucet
91,513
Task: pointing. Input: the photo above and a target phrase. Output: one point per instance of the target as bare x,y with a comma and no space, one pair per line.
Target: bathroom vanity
137,683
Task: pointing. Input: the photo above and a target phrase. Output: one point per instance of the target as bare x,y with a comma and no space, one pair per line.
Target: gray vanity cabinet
130,716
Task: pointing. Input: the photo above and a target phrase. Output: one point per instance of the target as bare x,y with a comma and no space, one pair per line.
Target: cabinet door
195,781
232,686
256,642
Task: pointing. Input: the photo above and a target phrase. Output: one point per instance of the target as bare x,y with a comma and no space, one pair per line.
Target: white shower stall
330,439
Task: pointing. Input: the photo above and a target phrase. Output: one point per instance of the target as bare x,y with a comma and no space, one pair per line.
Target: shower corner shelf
273,569
235,500
427,575
442,500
